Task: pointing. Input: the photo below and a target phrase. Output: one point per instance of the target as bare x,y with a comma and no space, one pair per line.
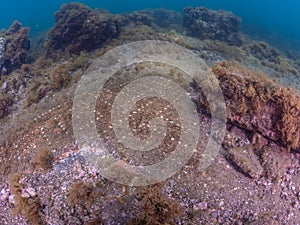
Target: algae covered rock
78,28
135,19
256,104
263,51
216,25
14,44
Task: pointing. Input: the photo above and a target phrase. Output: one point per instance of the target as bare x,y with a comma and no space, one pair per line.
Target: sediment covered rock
216,25
14,44
275,161
246,160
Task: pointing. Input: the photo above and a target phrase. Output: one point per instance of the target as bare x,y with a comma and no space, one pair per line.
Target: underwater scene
149,112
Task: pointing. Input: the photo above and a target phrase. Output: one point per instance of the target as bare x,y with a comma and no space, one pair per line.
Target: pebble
214,214
201,206
31,191
11,199
4,196
28,192
25,194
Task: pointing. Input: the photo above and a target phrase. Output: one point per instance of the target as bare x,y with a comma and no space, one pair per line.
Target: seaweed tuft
156,208
83,194
26,207
43,159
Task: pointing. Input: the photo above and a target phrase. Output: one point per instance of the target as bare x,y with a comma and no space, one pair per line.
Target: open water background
272,20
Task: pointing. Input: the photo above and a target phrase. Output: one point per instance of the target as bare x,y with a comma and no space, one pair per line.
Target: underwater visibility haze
280,18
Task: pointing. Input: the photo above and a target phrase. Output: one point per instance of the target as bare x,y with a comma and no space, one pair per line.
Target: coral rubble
217,25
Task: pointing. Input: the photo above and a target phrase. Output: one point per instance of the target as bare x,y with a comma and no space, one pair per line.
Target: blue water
279,17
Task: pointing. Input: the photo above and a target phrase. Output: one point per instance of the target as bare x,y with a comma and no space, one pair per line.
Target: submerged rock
28,192
216,25
79,28
14,44
246,160
263,51
256,104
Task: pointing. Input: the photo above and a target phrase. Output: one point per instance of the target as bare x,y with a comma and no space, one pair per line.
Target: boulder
257,104
79,28
216,25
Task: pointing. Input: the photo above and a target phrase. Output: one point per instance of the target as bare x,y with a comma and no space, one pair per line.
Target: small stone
28,192
11,199
25,194
295,204
31,192
4,196
86,218
214,214
201,206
